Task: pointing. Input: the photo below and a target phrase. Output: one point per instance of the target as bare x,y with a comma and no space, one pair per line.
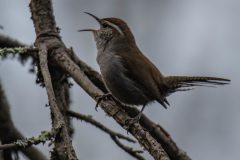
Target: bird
129,76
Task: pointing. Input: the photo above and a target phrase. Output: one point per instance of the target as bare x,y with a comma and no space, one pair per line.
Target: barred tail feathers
185,83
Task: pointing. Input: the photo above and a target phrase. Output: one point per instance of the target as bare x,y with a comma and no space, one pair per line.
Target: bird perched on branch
129,76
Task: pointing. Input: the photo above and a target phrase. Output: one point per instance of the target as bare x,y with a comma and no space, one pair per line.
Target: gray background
187,37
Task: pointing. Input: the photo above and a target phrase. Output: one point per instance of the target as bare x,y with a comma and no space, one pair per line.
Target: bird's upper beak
95,17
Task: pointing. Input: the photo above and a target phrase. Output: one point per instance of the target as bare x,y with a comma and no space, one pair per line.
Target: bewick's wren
130,76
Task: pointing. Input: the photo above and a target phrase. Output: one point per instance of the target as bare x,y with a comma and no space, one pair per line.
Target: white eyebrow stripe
115,26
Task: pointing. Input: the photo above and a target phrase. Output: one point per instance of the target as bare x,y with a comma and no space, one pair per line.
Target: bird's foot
99,98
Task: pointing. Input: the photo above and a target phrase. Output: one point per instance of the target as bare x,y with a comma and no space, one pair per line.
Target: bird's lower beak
83,30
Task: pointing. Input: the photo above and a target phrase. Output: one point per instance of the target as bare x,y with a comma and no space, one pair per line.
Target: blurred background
187,37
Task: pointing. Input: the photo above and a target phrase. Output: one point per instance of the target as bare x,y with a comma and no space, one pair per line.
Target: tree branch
92,75
57,117
18,50
48,39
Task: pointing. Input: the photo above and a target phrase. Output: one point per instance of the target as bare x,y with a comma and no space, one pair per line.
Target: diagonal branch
110,107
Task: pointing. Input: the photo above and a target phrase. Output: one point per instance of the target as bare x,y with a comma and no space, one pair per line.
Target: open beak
95,17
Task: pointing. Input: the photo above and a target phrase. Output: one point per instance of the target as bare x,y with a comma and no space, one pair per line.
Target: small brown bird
131,77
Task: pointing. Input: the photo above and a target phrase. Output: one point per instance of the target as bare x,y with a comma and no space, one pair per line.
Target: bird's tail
185,83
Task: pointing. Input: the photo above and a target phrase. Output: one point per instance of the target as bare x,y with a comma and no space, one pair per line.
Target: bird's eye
104,25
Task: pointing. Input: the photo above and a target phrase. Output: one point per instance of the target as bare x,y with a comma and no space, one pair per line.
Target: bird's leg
140,113
135,119
99,98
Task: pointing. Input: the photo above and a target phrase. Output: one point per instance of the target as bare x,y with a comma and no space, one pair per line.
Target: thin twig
17,50
129,150
42,138
89,119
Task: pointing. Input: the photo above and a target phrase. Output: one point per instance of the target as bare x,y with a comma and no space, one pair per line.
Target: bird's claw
99,98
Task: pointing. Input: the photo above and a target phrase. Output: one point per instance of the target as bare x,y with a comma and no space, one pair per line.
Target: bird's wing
143,73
